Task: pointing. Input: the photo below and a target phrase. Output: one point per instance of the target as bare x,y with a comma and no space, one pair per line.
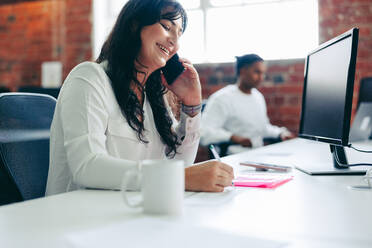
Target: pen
217,156
214,152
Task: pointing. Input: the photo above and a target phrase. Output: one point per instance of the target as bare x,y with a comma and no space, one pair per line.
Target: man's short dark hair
246,60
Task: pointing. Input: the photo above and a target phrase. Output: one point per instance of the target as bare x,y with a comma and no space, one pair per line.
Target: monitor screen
328,90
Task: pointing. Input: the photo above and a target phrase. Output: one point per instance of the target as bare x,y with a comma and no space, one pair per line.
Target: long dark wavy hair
121,50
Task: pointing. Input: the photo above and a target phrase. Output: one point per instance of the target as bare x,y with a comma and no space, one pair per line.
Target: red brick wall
32,32
78,25
336,17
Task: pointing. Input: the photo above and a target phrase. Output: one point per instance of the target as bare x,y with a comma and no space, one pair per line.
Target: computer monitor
327,99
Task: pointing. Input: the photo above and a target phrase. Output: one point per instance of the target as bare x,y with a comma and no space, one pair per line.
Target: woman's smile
163,49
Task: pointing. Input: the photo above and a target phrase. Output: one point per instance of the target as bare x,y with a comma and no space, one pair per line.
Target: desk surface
309,211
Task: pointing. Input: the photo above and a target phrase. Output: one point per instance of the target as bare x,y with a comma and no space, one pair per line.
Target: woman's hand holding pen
210,176
187,86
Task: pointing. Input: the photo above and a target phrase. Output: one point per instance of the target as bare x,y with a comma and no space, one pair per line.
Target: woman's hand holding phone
187,85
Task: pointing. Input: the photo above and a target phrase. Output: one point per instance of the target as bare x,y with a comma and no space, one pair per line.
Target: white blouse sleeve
84,119
188,132
188,129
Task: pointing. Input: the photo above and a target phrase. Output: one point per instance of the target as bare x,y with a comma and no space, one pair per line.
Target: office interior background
281,31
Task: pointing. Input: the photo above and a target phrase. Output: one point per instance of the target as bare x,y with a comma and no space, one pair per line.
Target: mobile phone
172,69
266,166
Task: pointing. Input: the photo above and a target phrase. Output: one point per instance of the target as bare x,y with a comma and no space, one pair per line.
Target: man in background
237,113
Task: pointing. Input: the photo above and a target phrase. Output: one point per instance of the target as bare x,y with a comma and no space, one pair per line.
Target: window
274,29
105,13
218,30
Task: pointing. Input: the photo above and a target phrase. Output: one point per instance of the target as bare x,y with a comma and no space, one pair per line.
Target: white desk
309,211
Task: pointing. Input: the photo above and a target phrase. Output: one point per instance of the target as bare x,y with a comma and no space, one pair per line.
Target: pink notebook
261,181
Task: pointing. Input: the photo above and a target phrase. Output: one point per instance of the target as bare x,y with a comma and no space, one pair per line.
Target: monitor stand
336,169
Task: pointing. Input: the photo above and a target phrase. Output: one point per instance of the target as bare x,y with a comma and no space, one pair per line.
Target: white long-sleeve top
230,111
92,144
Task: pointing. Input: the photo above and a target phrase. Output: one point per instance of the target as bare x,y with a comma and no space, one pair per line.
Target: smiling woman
148,26
112,113
165,35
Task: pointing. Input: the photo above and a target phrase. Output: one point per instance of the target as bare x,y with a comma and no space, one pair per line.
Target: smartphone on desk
172,69
265,166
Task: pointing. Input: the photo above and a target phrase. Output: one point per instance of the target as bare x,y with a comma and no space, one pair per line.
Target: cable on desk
367,177
359,150
346,165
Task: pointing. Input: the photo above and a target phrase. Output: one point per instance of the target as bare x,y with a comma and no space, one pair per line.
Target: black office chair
54,92
25,120
365,90
4,89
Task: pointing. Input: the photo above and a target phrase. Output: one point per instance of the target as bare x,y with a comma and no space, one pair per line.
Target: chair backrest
54,92
25,120
365,90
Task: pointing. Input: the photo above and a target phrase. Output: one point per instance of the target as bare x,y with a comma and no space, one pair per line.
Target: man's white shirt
230,111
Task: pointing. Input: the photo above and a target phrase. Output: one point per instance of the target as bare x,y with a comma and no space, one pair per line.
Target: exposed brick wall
78,25
32,32
336,17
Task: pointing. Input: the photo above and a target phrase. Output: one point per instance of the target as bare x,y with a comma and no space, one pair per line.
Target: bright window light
274,29
225,3
219,30
190,4
237,2
105,13
192,41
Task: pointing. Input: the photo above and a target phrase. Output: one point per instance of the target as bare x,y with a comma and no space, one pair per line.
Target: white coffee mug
162,186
